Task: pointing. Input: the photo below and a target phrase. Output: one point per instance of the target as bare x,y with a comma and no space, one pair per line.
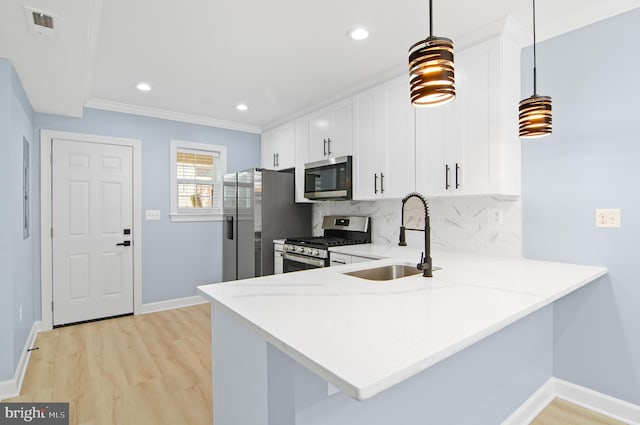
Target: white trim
217,150
46,139
598,402
532,407
179,218
589,399
171,304
11,387
109,105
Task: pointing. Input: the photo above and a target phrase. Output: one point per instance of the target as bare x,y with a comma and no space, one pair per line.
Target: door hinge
51,159
51,305
51,232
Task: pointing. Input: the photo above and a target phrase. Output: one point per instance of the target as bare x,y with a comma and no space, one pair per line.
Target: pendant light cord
430,19
535,91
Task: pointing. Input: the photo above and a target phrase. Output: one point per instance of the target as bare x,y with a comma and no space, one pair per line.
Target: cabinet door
301,139
365,129
477,113
434,137
336,259
340,130
269,142
277,258
285,147
319,132
396,153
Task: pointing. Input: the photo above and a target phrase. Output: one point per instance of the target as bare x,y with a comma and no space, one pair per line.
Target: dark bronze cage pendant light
535,111
431,71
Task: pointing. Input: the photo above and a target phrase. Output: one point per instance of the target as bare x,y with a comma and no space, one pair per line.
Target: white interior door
92,213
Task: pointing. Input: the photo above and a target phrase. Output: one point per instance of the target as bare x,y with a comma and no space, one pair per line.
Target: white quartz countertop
366,336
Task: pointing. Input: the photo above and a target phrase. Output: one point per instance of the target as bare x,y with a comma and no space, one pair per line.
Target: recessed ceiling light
358,34
143,87
241,107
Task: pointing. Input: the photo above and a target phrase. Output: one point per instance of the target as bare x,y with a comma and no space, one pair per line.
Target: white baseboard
582,396
533,406
598,402
11,387
171,304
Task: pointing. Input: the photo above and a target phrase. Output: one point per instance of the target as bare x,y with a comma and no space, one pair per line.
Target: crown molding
125,108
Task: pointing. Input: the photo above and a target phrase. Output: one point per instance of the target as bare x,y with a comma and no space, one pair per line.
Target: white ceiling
280,57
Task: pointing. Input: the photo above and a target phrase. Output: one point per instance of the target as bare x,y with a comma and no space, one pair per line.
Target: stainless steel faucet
425,264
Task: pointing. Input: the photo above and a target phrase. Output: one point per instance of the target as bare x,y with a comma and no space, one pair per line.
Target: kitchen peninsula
322,347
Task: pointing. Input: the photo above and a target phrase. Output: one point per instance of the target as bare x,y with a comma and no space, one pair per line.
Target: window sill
179,218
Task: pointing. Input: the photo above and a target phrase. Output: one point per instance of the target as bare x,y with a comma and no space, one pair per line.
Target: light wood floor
148,369
561,412
156,369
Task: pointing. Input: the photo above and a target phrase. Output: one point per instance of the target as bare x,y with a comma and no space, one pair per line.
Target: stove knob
316,253
310,251
301,250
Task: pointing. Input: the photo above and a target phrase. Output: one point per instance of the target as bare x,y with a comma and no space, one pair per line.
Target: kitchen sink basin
390,272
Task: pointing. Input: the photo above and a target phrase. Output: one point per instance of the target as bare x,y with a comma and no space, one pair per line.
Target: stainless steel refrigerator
259,206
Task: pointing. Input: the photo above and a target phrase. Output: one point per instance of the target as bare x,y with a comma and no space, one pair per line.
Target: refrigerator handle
230,227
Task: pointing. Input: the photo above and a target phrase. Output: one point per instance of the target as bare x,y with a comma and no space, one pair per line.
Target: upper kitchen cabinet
384,142
471,146
330,132
302,155
279,147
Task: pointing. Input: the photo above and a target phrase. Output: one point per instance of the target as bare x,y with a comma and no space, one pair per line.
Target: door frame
46,240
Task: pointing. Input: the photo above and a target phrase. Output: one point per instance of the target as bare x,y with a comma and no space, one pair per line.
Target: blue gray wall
19,258
176,256
591,161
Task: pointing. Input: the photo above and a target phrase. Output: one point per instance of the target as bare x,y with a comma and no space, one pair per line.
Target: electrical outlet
152,214
20,314
608,217
495,216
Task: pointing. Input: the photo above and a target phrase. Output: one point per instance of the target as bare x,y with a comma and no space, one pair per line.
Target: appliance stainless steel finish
328,179
259,207
313,252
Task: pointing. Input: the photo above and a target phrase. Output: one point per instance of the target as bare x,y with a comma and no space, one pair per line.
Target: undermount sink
390,272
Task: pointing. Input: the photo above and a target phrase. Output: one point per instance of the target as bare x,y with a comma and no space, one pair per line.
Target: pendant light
431,71
535,111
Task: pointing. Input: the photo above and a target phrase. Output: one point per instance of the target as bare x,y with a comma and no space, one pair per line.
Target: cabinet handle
457,181
446,176
338,262
277,159
329,145
375,183
325,146
381,183
274,159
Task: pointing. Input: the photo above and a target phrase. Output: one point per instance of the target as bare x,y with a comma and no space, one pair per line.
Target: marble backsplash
461,224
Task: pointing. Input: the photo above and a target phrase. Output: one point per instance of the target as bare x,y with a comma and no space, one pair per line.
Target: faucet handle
420,265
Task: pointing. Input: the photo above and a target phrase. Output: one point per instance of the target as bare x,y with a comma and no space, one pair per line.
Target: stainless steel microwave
329,179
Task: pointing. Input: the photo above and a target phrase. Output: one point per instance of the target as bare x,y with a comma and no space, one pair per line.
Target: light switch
608,217
152,214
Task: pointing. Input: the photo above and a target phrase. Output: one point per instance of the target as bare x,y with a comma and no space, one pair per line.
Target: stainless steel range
313,252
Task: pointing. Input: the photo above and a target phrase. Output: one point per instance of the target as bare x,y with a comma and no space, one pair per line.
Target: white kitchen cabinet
278,251
301,131
339,259
279,147
384,142
471,146
330,132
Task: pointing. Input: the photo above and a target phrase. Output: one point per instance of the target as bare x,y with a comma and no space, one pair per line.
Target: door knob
125,243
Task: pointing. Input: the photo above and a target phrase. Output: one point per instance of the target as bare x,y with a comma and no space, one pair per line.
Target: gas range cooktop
323,242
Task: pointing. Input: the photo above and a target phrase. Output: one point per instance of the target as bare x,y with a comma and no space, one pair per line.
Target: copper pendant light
431,71
535,111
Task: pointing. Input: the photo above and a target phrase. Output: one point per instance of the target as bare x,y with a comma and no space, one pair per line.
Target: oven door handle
305,260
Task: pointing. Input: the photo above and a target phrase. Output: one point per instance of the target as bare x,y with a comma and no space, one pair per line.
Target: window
197,170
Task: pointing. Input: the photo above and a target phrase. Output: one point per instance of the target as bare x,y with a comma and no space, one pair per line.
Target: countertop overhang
366,336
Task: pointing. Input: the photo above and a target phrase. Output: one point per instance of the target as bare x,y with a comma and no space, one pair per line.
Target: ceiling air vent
41,24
